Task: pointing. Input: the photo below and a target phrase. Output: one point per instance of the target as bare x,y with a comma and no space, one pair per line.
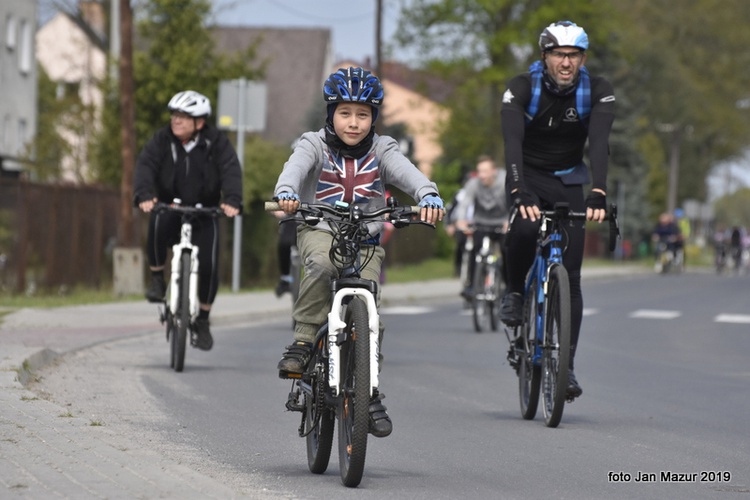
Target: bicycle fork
336,326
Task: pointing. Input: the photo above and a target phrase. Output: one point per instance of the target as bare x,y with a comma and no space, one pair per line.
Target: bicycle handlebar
199,210
561,211
399,216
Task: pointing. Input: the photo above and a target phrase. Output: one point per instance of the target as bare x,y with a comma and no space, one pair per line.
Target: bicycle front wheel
556,348
319,419
183,313
479,304
496,292
354,400
529,372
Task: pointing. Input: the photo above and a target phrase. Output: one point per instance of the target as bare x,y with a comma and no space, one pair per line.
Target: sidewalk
42,455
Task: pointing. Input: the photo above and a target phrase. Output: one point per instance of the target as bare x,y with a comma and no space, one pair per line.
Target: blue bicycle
540,346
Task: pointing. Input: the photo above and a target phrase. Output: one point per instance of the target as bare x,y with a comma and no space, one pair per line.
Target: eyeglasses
180,116
560,56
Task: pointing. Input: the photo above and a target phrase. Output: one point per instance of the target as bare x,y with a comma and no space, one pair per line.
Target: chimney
92,12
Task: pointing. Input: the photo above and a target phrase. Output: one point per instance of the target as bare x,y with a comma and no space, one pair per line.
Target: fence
52,236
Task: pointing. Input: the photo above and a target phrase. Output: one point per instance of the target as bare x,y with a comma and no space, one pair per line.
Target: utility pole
127,124
128,259
379,52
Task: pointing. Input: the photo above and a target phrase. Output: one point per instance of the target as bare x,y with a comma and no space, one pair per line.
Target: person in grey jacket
344,162
482,205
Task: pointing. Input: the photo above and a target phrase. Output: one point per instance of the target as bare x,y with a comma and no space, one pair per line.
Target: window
25,52
10,32
23,131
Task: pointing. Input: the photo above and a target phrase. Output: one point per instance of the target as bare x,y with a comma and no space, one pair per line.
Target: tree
176,53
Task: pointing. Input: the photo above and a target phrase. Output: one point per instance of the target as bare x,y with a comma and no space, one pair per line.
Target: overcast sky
352,22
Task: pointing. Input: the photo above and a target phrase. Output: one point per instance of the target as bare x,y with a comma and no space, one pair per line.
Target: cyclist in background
286,240
666,236
344,162
194,162
547,116
483,203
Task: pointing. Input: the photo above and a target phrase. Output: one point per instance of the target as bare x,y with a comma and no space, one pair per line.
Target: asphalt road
663,363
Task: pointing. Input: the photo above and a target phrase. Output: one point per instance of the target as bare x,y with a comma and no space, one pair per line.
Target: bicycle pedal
288,375
292,402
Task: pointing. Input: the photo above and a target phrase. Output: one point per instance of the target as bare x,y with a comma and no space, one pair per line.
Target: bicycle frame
550,244
184,245
336,326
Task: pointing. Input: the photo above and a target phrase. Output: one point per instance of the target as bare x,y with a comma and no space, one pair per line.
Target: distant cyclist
666,236
194,162
547,116
482,203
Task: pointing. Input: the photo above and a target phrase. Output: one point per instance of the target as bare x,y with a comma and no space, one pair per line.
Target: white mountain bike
342,374
181,307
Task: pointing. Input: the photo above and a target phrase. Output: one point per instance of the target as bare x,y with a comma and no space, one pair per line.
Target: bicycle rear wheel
319,418
556,348
529,373
479,305
354,400
183,313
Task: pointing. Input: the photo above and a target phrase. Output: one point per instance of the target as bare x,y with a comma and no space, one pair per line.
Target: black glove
523,198
596,201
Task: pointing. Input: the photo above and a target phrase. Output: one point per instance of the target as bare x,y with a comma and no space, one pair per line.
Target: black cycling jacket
165,171
554,140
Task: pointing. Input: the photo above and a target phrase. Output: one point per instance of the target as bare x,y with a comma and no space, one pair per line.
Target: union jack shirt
348,179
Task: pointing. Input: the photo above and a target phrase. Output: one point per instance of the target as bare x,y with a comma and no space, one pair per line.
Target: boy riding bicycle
344,162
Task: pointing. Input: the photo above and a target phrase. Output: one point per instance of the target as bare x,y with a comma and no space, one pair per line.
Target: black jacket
165,171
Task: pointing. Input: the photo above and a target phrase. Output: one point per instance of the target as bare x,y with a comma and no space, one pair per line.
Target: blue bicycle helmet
353,85
563,34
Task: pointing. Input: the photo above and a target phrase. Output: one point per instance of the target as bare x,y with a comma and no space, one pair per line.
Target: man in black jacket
191,161
548,115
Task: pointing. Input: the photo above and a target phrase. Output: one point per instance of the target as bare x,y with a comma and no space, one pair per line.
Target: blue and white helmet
191,103
563,34
353,85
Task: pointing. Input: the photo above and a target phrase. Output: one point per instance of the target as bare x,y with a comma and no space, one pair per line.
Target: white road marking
655,314
406,310
590,312
732,318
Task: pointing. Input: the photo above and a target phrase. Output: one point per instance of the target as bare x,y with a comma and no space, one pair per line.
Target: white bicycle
181,307
342,375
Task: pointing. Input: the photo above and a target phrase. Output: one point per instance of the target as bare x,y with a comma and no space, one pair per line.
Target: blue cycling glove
431,201
287,196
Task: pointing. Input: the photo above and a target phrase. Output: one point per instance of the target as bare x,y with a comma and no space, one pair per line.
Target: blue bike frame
539,274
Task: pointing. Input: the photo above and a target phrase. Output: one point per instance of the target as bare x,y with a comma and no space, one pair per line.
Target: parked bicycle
488,285
540,346
342,374
181,307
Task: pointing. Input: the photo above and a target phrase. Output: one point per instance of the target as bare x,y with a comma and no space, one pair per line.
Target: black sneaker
511,312
295,359
157,290
467,293
574,389
282,288
380,422
202,339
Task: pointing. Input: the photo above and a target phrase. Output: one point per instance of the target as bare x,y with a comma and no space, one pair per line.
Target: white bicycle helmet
191,103
563,34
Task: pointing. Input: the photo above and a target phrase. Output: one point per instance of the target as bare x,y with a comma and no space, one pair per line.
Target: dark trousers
522,235
164,231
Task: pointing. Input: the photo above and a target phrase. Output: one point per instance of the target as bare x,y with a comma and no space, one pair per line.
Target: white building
73,52
18,98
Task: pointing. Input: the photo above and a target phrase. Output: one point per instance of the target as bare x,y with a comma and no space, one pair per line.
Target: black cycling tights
164,231
522,235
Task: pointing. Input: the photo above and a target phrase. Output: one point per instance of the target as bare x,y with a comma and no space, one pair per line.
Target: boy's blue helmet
353,85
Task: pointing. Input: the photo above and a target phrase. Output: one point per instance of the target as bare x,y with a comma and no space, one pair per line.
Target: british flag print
349,180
